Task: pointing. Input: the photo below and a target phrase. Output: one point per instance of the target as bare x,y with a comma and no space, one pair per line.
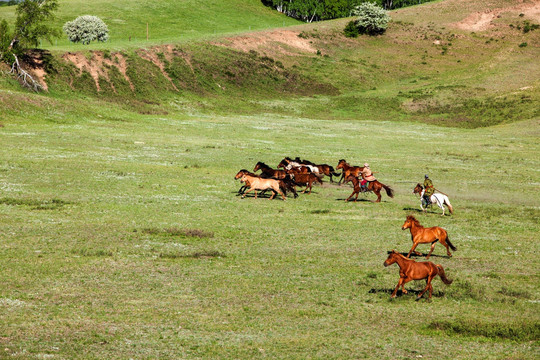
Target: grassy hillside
168,21
459,70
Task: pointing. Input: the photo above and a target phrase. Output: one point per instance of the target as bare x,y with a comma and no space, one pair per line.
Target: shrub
351,30
85,29
372,19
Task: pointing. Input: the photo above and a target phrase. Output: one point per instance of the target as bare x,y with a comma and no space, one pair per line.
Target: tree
372,19
31,25
85,29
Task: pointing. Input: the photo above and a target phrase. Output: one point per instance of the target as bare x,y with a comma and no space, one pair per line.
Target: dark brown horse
412,270
422,235
268,172
348,170
374,186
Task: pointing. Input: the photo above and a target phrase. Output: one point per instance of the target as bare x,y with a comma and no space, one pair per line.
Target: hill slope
454,63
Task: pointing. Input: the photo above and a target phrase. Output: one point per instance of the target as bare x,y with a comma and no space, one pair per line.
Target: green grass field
122,236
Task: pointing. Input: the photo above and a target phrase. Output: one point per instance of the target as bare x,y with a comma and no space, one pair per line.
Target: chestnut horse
422,235
412,270
348,170
374,186
258,183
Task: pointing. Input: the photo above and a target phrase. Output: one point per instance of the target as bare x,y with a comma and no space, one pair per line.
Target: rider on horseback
367,176
428,190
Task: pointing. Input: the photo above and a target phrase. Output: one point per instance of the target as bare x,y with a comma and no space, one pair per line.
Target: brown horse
348,170
412,270
422,235
268,172
327,170
306,180
374,186
258,183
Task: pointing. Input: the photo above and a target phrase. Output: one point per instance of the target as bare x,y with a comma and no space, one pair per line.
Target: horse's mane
413,219
261,164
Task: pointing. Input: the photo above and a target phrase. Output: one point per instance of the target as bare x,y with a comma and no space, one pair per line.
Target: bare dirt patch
288,40
481,21
97,65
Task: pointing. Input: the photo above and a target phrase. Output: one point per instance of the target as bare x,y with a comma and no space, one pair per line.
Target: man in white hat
367,175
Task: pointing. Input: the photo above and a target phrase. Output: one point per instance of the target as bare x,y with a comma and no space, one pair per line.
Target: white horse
436,198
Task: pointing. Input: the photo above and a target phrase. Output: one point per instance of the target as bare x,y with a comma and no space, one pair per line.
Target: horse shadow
422,255
413,209
400,293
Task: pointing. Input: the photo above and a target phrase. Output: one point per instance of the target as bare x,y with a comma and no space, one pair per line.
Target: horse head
392,258
240,174
258,166
418,189
409,221
283,164
341,164
351,178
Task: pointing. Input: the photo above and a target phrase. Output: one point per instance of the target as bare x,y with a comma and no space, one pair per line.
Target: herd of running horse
292,173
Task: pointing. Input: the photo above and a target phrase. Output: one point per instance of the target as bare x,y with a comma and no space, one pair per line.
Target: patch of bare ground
481,21
168,52
97,65
288,41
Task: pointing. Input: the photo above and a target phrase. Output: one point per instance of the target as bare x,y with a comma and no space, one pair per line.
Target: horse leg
244,194
273,194
431,250
378,193
401,282
310,184
412,249
428,285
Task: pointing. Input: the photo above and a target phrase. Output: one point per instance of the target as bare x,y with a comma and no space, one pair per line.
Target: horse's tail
389,190
449,243
444,279
333,171
450,208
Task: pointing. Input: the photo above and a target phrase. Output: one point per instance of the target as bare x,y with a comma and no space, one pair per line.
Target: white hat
366,165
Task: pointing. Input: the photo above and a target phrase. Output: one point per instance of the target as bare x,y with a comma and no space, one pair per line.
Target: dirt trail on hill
480,21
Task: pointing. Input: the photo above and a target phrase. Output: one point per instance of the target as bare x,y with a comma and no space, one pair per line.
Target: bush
351,30
372,19
85,29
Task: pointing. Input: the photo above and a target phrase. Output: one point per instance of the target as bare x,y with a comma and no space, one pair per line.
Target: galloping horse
306,180
374,186
268,172
422,235
257,183
348,170
239,176
436,198
412,270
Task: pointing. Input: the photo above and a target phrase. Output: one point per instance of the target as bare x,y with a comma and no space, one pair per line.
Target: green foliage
351,30
32,23
86,29
372,19
316,10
